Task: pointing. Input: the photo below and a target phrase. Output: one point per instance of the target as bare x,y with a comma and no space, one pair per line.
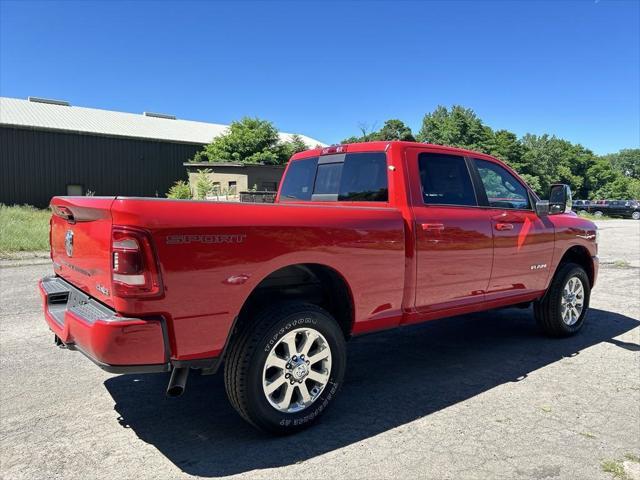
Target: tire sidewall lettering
299,322
323,402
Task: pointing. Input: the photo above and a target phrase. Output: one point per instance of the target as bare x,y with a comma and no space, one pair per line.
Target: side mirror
542,208
560,200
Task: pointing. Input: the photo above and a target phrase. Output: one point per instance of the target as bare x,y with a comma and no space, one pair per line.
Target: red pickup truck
362,237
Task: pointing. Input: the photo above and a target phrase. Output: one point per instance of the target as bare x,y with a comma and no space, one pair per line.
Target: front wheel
635,215
286,368
597,213
561,312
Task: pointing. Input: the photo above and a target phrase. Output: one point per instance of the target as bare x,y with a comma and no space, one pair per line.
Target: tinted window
328,179
364,178
503,189
298,182
445,180
355,177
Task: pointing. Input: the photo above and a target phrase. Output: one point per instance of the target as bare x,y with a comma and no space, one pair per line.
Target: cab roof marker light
333,149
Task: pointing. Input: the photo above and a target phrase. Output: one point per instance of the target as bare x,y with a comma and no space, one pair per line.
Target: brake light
134,270
333,149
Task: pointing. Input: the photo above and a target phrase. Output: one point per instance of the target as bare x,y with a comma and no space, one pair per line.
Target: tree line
540,159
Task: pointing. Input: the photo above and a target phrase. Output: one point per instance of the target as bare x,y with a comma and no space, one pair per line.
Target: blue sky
566,68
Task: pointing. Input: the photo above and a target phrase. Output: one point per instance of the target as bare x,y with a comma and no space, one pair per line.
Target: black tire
248,353
547,310
598,213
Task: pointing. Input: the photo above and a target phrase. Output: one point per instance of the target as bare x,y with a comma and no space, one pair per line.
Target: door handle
504,226
432,227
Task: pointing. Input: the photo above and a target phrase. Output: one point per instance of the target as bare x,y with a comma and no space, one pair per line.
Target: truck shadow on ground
393,378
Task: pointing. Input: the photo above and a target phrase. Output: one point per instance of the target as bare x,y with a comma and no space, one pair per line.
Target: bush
204,185
180,190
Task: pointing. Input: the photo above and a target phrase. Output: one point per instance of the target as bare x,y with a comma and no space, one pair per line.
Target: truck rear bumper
115,343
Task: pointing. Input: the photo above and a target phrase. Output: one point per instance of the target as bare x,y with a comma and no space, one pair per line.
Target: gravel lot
479,396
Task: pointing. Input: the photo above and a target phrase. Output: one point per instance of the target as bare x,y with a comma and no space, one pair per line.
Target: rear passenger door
453,238
523,241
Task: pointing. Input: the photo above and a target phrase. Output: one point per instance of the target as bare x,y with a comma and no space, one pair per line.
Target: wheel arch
314,283
579,255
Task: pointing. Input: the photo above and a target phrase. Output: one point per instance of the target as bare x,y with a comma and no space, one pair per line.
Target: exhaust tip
175,391
177,382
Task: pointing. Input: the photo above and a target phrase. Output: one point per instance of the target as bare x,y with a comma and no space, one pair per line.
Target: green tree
626,162
458,127
249,140
621,188
394,129
599,174
553,160
505,145
534,183
368,134
180,190
295,145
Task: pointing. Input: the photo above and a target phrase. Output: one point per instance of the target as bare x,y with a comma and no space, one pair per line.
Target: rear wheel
635,215
284,370
598,213
561,312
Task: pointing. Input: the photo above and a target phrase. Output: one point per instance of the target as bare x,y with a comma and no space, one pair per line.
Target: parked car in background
581,206
599,207
624,208
614,208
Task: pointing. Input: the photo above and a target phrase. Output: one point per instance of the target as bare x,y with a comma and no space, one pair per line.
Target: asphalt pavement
479,396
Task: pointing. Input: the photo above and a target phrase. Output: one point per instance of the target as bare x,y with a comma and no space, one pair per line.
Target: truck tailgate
81,243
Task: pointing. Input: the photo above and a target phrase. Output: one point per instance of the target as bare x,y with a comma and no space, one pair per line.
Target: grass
621,264
615,468
591,216
23,229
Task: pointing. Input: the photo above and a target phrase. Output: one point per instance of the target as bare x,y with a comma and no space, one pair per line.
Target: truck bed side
212,256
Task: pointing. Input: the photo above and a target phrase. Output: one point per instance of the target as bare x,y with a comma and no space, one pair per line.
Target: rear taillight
134,270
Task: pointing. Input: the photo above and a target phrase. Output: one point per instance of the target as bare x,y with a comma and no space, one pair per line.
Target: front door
523,241
454,250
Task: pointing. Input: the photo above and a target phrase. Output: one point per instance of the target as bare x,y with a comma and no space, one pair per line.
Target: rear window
352,177
298,183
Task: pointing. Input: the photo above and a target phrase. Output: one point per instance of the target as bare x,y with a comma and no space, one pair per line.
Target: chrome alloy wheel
572,301
296,370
